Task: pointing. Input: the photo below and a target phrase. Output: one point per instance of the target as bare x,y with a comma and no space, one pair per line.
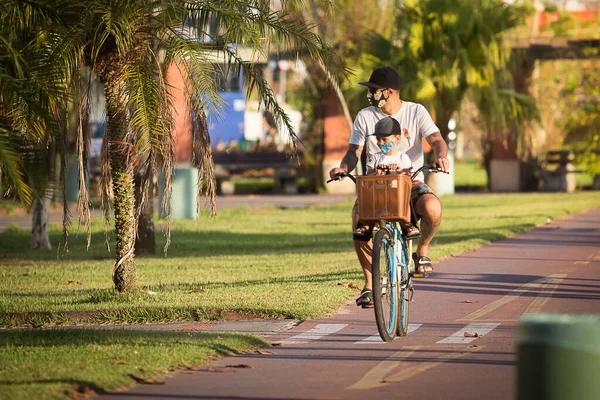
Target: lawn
256,263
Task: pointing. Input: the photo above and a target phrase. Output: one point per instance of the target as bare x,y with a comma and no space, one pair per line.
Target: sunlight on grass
270,263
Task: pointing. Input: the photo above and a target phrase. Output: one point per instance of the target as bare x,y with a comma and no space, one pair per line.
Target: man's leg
429,209
364,251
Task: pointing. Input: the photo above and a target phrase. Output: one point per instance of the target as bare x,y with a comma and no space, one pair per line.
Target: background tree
118,42
344,32
30,127
446,50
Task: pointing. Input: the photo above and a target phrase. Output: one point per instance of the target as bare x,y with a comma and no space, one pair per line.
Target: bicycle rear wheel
403,291
385,293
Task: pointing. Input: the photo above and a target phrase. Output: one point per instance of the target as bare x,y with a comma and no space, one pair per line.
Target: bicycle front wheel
403,292
385,290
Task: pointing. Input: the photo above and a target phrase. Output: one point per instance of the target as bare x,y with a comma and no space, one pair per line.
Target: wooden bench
284,168
561,176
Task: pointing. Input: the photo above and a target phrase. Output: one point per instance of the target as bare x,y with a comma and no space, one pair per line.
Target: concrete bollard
558,357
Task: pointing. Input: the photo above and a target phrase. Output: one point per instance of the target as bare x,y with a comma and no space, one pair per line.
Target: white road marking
315,333
376,339
459,336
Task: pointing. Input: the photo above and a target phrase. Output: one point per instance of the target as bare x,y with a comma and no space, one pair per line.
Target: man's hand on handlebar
442,163
337,173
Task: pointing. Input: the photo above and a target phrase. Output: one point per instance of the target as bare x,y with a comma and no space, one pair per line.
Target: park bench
285,169
558,172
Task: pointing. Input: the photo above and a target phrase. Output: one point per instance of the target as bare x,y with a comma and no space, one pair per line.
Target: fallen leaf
352,285
198,291
72,283
263,352
476,335
239,366
141,379
149,292
119,362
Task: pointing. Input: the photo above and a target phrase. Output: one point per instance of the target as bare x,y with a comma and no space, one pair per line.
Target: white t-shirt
416,124
400,159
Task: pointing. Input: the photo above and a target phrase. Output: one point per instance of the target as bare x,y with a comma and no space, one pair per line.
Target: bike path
462,340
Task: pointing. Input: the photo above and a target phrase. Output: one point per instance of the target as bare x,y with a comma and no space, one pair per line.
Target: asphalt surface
461,345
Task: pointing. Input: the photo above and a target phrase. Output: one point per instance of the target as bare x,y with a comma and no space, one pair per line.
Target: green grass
266,262
470,173
50,364
262,262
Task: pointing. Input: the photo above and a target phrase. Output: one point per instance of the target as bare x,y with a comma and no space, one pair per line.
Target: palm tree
29,128
128,45
446,51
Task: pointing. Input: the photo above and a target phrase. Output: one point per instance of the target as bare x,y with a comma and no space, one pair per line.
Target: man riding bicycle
416,123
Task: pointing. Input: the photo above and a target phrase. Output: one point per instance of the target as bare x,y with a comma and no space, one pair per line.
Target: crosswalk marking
319,331
376,339
472,329
315,333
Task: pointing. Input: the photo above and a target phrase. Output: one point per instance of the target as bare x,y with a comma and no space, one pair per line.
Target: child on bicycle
391,159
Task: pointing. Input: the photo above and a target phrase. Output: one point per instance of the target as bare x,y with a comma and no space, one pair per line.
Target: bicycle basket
384,197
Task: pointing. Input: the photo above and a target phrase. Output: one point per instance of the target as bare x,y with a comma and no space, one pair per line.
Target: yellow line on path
545,295
376,377
513,295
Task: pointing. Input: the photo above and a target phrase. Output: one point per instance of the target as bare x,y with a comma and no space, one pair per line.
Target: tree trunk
120,154
39,223
145,245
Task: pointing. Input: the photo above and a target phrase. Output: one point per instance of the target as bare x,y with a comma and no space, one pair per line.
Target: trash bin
183,198
558,357
72,179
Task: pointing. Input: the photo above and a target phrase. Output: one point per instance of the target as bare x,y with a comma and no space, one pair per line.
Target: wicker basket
384,197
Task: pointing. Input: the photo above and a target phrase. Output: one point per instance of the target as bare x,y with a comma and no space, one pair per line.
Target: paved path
554,268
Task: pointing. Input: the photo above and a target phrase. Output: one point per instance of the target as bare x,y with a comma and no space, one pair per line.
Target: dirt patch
114,317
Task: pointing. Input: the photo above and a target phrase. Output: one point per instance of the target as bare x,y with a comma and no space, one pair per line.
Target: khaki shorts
418,190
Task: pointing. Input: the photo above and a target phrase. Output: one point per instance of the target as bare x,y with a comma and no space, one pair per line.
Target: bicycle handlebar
341,175
430,168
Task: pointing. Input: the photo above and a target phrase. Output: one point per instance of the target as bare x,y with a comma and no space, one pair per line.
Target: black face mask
376,97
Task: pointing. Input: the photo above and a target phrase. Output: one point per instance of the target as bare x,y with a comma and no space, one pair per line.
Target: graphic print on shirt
406,134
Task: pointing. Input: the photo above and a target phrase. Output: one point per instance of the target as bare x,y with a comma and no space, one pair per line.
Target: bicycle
391,264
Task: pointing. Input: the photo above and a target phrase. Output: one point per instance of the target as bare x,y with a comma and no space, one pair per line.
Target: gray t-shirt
416,124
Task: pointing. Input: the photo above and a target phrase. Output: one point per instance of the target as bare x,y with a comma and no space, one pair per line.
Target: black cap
387,126
384,78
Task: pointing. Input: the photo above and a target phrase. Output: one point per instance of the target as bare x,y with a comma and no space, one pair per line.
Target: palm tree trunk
145,245
39,222
125,270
